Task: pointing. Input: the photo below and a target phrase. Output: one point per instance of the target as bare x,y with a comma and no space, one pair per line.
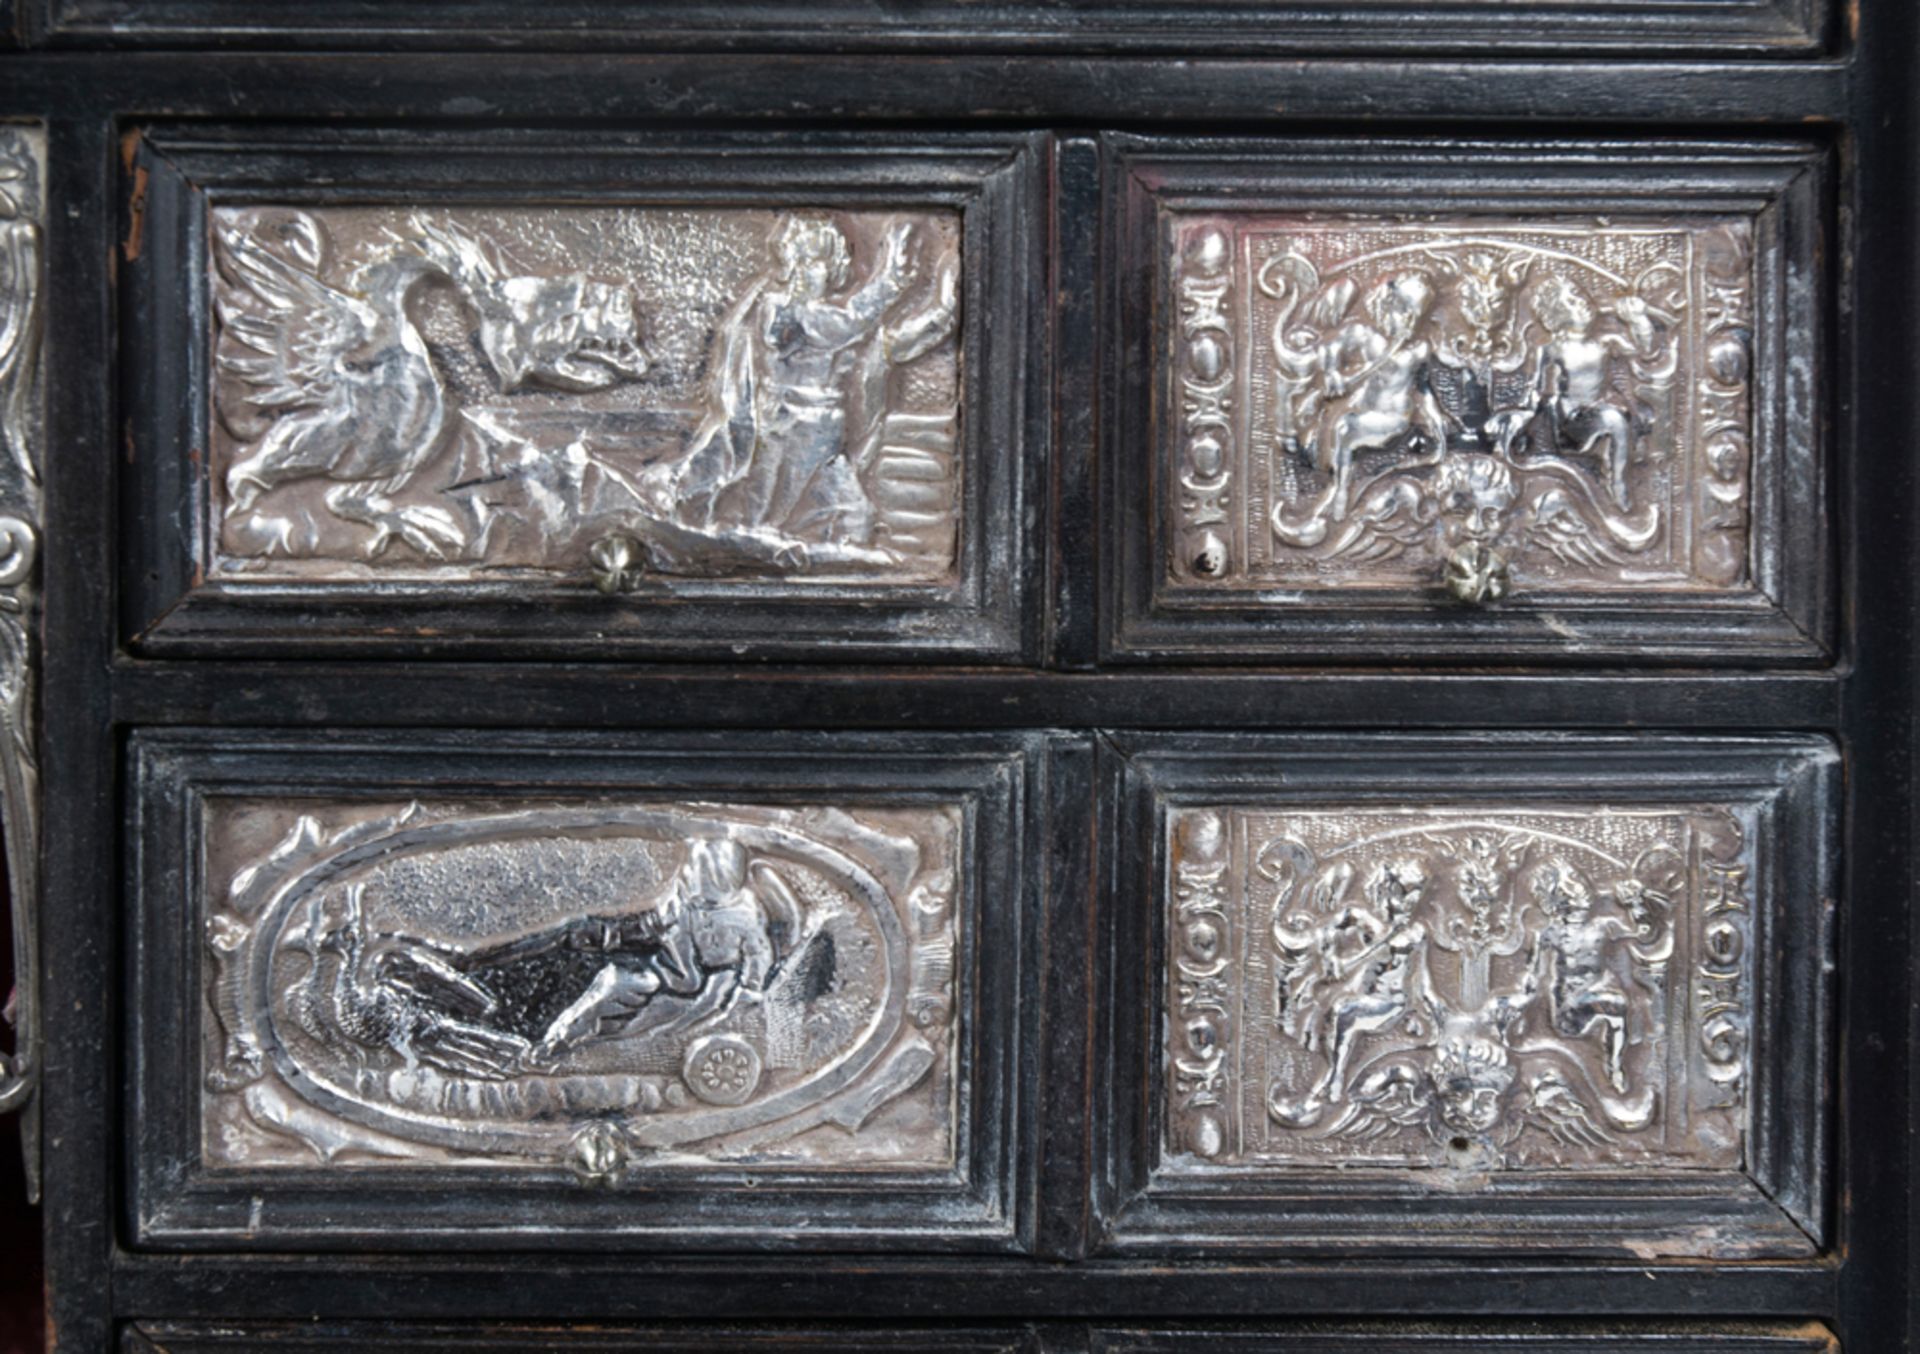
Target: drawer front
1561,995
1402,398
632,989
567,394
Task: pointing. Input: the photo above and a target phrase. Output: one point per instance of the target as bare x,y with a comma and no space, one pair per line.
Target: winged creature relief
618,985
1408,378
1465,989
338,384
714,395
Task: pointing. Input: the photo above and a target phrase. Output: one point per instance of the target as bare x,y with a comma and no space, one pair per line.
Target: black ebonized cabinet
1036,677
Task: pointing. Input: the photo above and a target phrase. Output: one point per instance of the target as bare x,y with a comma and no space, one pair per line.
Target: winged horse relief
336,384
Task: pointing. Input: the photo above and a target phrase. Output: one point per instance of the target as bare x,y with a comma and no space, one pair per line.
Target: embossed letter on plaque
1394,407
1561,993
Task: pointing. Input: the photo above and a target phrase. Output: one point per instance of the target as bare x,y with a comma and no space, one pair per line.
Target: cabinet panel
1556,994
1234,434
1633,27
1454,399
686,1339
1808,1339
419,391
704,992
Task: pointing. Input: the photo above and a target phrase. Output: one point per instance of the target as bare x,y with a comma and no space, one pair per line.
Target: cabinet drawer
409,391
1506,994
520,990
1425,399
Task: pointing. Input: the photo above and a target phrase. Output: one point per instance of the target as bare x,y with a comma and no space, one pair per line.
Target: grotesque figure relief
1571,963
1484,407
1381,951
587,986
1509,989
606,395
1573,378
1376,385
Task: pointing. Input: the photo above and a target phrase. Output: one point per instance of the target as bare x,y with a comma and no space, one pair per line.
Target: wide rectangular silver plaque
601,394
610,986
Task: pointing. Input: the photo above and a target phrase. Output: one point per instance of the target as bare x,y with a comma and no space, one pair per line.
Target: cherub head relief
1397,887
564,333
1398,305
1562,307
1474,493
813,254
1471,1074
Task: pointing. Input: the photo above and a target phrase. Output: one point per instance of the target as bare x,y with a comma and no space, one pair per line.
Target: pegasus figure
337,383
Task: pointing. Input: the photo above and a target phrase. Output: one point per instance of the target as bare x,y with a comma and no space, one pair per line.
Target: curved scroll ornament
600,988
22,155
1476,990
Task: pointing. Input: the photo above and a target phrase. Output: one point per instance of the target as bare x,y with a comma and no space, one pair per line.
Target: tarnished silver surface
467,393
1470,988
1471,405
22,318
612,987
